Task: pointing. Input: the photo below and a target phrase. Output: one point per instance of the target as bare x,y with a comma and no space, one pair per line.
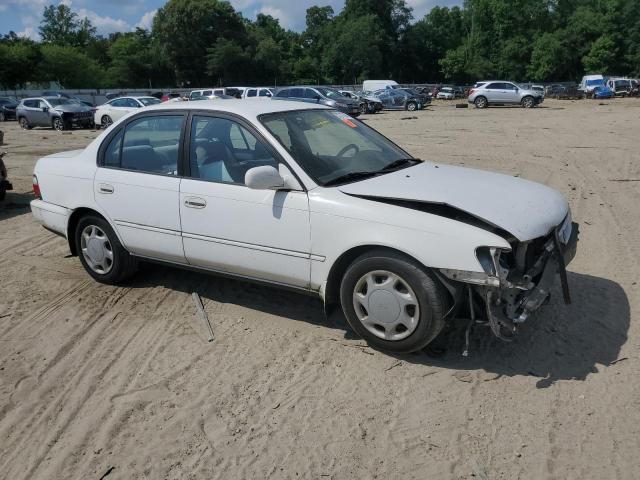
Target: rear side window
283,93
251,93
265,93
494,86
31,103
149,144
296,92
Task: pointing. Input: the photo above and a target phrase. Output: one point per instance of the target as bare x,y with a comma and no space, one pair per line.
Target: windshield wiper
401,163
350,177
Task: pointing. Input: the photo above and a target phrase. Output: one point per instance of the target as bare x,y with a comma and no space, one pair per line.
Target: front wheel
412,106
481,102
106,121
528,102
58,124
101,253
392,302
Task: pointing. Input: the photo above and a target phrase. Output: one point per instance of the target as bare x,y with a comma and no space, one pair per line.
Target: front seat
212,161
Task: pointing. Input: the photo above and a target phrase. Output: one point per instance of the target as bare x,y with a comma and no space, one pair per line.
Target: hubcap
386,305
23,123
96,249
106,121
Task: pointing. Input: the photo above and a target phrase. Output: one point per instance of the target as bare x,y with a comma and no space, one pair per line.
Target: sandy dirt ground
120,383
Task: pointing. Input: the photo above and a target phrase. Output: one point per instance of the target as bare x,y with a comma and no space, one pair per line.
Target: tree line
206,42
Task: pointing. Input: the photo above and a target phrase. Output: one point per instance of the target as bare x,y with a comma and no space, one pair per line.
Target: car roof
244,108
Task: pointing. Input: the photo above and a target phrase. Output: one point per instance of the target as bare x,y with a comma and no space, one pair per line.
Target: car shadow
562,342
267,299
15,204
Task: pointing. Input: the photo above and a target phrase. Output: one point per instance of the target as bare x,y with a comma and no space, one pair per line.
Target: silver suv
57,112
499,92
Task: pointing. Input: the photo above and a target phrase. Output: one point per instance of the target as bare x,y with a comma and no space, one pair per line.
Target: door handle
104,188
195,202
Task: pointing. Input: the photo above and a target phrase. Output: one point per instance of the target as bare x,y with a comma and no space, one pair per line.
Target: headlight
332,103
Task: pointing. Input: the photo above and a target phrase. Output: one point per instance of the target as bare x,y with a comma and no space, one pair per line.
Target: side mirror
45,109
264,178
318,98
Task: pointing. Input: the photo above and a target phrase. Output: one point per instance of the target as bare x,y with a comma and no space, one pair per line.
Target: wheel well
75,217
332,290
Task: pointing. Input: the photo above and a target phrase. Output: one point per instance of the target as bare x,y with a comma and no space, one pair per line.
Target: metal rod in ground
200,307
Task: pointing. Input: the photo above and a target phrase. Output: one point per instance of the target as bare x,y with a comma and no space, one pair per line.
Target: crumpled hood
525,209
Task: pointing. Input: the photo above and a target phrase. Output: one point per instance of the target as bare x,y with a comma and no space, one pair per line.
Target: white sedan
115,109
446,93
305,197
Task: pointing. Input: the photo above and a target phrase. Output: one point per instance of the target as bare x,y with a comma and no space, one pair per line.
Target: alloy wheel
386,305
106,121
96,249
24,124
58,124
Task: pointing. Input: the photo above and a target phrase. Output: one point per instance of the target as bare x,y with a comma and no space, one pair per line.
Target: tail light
36,188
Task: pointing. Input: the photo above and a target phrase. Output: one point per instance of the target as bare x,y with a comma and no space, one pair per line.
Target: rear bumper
53,217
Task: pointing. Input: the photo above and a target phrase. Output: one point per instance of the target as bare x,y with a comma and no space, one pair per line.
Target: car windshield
333,148
146,101
591,83
56,102
328,92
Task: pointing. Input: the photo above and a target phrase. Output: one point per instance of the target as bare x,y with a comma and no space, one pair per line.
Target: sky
108,16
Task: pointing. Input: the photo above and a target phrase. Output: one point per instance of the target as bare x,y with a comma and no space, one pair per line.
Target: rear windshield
146,101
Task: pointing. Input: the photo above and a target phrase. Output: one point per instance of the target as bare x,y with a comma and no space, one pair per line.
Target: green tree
61,26
601,57
18,60
70,67
187,29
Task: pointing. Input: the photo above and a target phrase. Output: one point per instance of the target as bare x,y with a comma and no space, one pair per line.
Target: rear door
137,183
38,114
493,92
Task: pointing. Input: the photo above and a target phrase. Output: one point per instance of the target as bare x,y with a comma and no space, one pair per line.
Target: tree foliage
207,42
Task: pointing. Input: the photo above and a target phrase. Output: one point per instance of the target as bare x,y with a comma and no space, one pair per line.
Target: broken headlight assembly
489,259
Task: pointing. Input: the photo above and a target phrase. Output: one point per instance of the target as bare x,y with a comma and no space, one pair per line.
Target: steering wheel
351,146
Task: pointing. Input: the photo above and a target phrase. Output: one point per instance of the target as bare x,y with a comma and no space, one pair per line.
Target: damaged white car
305,197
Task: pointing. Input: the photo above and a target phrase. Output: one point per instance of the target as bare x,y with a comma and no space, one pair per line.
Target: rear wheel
101,253
392,302
24,123
481,102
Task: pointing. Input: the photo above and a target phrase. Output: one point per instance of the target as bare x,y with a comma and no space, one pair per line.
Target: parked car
60,113
602,92
7,109
589,82
374,85
368,103
446,93
170,96
5,185
209,93
66,95
320,96
117,108
423,98
257,93
395,99
306,197
565,92
621,87
503,93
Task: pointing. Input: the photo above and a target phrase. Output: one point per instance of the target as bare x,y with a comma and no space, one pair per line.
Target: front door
228,227
137,184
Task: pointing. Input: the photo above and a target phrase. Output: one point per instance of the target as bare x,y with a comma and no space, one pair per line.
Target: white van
620,86
257,93
209,93
589,82
373,85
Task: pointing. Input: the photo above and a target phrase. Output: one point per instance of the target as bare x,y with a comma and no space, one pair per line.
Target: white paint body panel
257,233
293,237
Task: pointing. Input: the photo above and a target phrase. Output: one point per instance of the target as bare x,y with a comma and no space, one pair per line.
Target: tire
364,108
3,118
24,123
3,192
481,102
58,124
421,319
412,106
106,121
528,102
112,271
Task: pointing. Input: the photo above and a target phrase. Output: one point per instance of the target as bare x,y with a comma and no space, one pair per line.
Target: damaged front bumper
517,283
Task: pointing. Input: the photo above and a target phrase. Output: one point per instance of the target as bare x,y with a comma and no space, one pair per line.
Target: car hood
72,108
525,209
